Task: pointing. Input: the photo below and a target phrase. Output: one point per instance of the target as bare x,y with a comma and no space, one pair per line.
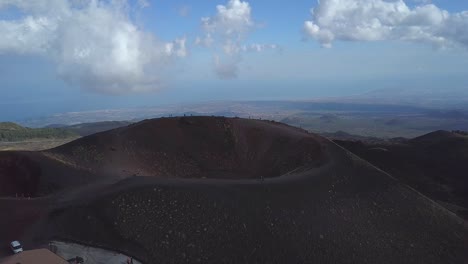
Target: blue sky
89,55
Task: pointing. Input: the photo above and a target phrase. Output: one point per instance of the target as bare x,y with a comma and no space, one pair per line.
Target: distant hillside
10,126
436,164
449,114
13,132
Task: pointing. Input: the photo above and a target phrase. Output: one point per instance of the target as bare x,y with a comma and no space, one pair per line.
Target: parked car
16,247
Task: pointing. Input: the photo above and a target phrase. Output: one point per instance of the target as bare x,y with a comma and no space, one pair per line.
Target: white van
16,247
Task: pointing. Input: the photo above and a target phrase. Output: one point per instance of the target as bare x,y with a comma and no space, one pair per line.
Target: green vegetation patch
10,132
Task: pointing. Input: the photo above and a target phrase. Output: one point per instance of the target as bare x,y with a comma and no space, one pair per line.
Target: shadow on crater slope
185,147
235,191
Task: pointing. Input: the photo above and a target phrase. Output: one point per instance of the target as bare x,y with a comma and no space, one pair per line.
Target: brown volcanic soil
343,212
195,147
435,164
335,209
33,174
17,216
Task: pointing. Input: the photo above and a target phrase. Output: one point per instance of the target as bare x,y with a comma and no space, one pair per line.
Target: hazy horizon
62,56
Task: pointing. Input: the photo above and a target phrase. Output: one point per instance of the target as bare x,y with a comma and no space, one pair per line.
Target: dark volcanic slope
435,164
343,212
86,129
335,208
32,174
195,147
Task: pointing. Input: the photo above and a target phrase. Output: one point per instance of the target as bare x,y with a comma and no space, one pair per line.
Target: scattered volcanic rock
253,192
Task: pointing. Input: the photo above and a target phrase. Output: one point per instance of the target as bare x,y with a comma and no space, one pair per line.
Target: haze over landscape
94,55
230,131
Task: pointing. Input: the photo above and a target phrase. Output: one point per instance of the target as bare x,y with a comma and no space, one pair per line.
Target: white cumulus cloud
259,47
226,33
232,20
374,20
94,43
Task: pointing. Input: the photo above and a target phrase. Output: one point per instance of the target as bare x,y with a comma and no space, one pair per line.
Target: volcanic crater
222,190
180,147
